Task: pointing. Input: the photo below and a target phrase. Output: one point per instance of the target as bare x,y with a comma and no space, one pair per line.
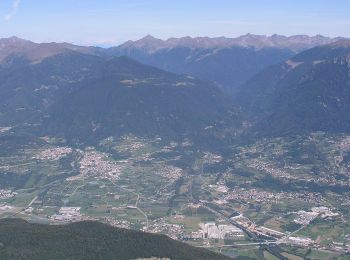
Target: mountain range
296,43
123,96
228,62
14,48
89,93
84,97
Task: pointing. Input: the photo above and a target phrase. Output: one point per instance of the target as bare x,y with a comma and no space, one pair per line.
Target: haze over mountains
97,94
229,62
295,43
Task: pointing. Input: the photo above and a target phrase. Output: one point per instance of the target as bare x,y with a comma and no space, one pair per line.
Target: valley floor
267,200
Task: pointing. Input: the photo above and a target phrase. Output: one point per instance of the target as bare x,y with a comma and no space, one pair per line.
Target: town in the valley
202,204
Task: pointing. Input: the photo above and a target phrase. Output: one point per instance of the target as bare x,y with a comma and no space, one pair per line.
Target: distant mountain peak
35,52
149,37
13,39
148,42
345,43
295,43
13,42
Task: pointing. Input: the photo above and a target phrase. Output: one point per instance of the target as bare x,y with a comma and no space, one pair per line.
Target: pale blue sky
115,21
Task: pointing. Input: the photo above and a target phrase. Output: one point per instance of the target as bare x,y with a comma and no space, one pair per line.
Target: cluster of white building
259,195
117,222
5,129
98,164
212,231
211,158
6,194
171,173
68,214
173,231
324,212
131,144
271,169
5,208
305,217
284,173
300,241
53,154
219,187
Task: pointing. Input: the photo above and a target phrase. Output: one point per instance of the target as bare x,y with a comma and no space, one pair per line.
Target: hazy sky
115,21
